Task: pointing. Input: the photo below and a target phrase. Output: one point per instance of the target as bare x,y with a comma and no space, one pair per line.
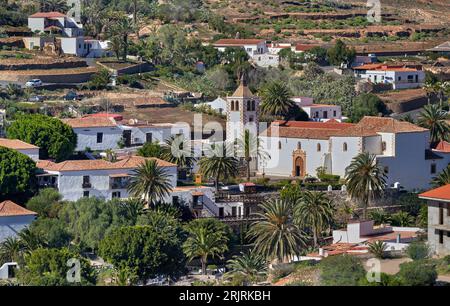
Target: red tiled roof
440,194
87,122
238,42
443,146
130,162
47,15
107,115
16,144
305,129
9,208
384,67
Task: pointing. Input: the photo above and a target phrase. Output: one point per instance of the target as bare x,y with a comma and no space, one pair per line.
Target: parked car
33,83
72,96
36,99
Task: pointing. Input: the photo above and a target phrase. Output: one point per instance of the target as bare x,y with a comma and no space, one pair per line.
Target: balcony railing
119,184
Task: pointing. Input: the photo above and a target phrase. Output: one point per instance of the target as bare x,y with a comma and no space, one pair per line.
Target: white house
75,179
266,60
438,219
297,149
96,133
30,150
13,219
318,112
398,76
219,105
54,21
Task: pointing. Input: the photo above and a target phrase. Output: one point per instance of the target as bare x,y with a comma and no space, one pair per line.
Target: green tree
442,178
178,150
147,251
17,174
417,273
276,100
364,179
53,232
276,236
55,6
340,54
150,149
10,250
121,27
379,216
434,118
418,250
206,238
314,211
367,104
218,164
378,248
150,182
249,147
341,270
54,138
251,266
31,240
49,267
402,218
46,203
100,80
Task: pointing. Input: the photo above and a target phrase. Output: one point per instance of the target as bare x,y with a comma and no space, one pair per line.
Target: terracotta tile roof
238,42
443,146
243,91
371,126
116,117
87,122
16,144
130,162
9,208
441,194
383,67
47,15
305,129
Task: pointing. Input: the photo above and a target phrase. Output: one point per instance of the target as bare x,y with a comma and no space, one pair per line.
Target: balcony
119,181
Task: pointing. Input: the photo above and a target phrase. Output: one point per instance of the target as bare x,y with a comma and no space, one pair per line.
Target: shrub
417,273
418,250
341,270
329,178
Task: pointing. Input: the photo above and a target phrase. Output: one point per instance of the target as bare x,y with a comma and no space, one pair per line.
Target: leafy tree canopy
367,104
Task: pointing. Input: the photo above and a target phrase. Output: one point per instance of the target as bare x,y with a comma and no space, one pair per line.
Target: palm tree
55,6
249,265
120,28
276,236
402,218
150,182
207,238
378,248
134,208
314,211
276,100
429,88
31,240
379,216
10,250
408,118
218,165
178,151
442,178
365,179
249,147
434,118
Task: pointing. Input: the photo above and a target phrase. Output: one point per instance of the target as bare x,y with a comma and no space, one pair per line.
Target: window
441,237
399,78
236,106
86,181
148,137
299,145
334,113
344,147
325,114
99,137
233,211
175,200
86,194
232,106
441,215
253,105
279,145
383,146
250,119
386,169
319,147
116,195
433,169
316,115
249,105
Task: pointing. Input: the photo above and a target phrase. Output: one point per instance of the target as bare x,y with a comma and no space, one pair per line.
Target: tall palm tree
218,164
10,250
276,100
207,238
150,182
378,248
434,118
120,29
442,178
276,236
365,179
379,216
178,151
249,147
31,240
314,211
250,265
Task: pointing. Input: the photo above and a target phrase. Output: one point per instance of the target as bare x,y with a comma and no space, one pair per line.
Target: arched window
253,105
237,106
249,106
279,145
344,147
232,106
319,147
299,145
383,146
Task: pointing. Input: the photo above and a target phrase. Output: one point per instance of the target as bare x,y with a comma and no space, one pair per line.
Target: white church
297,149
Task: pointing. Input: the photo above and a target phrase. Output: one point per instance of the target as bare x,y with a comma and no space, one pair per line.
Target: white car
33,83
